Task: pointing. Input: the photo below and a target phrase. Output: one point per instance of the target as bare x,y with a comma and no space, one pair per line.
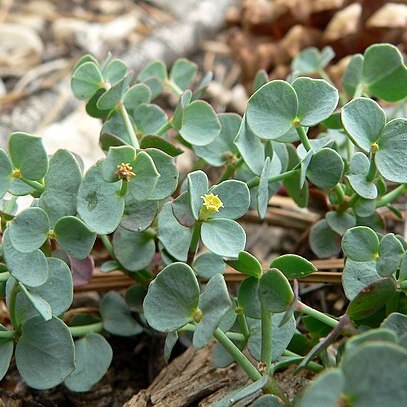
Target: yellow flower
125,171
212,202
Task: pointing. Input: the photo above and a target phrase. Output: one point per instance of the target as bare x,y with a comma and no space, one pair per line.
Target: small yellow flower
125,171
212,202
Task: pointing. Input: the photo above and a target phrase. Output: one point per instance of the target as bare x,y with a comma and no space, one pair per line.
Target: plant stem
237,355
34,184
196,233
339,193
372,170
129,126
123,188
303,137
241,319
229,170
350,148
164,128
84,330
9,334
266,343
295,359
12,305
108,245
234,336
353,199
391,196
358,91
320,316
173,87
255,181
4,277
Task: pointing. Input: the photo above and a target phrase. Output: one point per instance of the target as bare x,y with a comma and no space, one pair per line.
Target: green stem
255,181
359,91
9,207
303,137
108,245
353,199
196,233
164,128
391,196
12,305
7,334
237,355
4,277
34,184
266,344
173,87
241,319
129,126
296,359
320,316
339,193
372,170
229,170
234,336
350,148
84,330
123,188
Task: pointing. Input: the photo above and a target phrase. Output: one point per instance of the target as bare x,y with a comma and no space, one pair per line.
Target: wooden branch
329,271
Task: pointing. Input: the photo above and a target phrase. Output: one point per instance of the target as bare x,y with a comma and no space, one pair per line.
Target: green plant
135,202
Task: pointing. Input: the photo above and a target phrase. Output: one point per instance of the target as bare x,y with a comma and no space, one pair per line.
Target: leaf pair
174,299
278,106
365,122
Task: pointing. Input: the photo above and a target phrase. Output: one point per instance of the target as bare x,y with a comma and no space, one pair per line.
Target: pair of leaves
29,230
380,71
274,109
174,298
365,122
220,233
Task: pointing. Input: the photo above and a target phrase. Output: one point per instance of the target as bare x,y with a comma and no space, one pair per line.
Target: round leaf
74,237
293,266
357,275
357,176
172,298
272,109
127,243
317,100
208,265
340,222
323,240
214,302
61,186
28,154
168,227
325,169
197,186
29,229
224,237
364,121
391,160
29,268
142,185
86,80
99,204
371,298
384,72
220,150
247,264
248,297
390,252
116,316
93,356
235,197
275,292
360,244
200,125
5,172
45,353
